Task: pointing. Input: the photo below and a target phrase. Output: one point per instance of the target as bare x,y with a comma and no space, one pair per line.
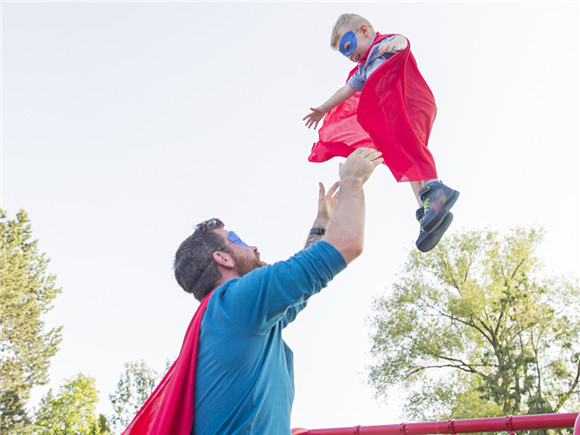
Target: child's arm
339,97
398,43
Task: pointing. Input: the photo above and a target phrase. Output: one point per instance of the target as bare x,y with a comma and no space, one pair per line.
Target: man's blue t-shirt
245,371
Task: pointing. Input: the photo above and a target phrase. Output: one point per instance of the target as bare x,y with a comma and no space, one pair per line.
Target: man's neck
226,276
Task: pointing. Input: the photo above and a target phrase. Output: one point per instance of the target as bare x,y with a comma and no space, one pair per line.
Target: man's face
246,257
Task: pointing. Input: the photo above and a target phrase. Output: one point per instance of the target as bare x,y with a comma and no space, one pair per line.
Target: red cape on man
394,114
169,409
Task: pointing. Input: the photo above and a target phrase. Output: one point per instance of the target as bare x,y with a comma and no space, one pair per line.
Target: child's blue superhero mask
347,37
234,238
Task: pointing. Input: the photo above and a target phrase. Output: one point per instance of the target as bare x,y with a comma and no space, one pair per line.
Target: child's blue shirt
245,370
374,59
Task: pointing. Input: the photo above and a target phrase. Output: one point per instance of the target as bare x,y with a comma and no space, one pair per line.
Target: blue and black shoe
428,241
437,201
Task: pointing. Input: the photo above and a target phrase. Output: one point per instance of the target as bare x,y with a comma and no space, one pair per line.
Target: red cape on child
169,409
394,114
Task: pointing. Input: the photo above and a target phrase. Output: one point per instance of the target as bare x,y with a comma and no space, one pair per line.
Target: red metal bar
496,424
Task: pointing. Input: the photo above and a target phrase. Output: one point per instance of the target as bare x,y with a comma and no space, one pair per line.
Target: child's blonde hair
346,21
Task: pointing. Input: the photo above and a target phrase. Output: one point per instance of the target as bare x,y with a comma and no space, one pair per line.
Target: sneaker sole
433,224
431,239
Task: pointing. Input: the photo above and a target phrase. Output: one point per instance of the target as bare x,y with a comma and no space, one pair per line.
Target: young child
386,104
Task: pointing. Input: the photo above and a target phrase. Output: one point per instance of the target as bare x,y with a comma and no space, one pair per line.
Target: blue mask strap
347,37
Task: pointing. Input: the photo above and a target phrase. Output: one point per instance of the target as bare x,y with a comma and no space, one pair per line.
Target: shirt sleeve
291,314
357,80
276,293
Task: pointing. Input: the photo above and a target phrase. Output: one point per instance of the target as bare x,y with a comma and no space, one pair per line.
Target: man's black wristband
317,231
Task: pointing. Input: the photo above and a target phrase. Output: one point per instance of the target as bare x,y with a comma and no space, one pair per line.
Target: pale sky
125,124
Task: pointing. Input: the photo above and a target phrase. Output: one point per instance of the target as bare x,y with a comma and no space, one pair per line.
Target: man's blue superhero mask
347,37
234,238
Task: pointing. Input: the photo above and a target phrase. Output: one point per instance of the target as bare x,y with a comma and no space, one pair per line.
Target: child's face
361,39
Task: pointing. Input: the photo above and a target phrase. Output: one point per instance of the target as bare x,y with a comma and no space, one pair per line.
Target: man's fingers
376,155
372,154
333,189
377,162
367,153
360,152
331,195
321,192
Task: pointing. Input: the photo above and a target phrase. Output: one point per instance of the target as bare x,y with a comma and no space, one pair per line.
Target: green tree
135,385
472,329
26,294
72,411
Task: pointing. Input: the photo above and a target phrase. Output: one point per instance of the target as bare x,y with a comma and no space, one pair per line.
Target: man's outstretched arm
345,230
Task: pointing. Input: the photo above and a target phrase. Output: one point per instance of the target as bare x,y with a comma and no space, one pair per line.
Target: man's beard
245,265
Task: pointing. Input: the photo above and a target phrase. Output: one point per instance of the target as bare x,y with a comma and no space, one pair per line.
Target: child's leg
417,186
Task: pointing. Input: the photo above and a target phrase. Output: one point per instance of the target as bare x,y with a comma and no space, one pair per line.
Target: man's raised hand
360,164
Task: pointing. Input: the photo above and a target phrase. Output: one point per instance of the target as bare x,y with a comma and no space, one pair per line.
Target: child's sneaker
437,201
428,241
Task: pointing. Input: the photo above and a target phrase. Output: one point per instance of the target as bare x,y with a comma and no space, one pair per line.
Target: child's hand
314,117
398,43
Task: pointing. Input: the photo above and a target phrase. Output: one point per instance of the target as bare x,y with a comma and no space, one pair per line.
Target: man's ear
223,259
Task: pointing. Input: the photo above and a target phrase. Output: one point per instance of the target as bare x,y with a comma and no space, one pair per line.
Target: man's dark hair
194,267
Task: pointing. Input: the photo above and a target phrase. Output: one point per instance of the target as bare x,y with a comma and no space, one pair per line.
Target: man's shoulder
322,255
320,251
319,254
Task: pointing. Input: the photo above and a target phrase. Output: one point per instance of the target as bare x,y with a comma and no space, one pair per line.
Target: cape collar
378,38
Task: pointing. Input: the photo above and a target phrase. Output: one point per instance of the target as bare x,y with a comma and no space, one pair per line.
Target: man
242,379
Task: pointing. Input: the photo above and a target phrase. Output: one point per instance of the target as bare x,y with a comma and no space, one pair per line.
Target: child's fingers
389,46
312,119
